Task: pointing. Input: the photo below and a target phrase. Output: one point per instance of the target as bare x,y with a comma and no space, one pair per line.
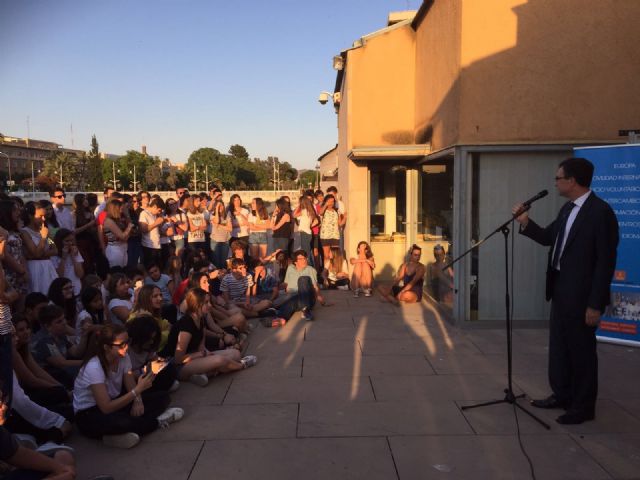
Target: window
388,205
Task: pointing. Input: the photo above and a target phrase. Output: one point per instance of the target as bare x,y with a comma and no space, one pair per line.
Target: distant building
449,115
27,153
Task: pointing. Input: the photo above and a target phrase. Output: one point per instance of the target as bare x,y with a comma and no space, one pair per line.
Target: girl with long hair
330,226
69,263
336,272
219,241
102,410
38,248
363,266
197,223
180,225
237,220
308,219
61,294
259,223
120,304
50,219
149,302
14,261
92,316
187,344
282,225
116,230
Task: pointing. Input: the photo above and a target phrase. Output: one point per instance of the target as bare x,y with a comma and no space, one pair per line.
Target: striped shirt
236,287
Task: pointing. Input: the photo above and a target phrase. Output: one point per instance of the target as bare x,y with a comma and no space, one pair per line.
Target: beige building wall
527,71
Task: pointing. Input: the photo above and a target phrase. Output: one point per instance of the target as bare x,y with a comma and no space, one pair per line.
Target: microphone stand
509,396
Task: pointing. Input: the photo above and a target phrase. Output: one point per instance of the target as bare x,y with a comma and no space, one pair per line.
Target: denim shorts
256,238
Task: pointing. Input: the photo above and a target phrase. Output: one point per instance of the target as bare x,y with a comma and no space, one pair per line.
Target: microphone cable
513,292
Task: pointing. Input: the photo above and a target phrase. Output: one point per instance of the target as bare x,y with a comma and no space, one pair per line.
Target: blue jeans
305,298
219,253
281,243
134,251
305,244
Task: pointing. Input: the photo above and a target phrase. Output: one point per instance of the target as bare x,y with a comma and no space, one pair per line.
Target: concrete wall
528,71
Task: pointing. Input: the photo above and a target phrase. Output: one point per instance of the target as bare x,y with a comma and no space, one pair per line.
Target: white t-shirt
93,374
152,238
118,302
69,272
197,220
238,230
305,222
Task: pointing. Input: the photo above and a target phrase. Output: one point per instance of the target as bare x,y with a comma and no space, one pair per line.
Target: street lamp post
114,174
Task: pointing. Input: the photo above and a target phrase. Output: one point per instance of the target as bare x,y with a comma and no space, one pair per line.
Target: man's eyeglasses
60,196
121,344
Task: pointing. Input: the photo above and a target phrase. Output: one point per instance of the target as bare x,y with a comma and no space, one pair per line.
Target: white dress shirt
578,202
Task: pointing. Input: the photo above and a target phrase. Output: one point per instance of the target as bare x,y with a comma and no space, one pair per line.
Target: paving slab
492,457
360,365
618,454
630,404
293,390
376,346
172,460
213,394
205,422
467,363
381,418
295,459
439,387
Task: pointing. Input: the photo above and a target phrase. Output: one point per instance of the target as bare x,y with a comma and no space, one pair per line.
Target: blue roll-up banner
617,181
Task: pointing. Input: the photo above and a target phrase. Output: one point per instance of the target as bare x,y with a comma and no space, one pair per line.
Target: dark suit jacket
588,259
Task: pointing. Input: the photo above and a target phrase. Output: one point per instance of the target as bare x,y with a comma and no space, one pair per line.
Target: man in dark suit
583,240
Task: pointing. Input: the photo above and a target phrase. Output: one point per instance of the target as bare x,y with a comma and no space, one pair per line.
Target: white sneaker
199,379
125,440
27,441
367,292
170,415
356,293
174,386
50,448
249,361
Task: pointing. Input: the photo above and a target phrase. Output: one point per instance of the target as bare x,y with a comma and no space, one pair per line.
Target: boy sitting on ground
236,289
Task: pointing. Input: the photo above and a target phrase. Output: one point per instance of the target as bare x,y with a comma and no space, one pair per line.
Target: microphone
526,205
535,198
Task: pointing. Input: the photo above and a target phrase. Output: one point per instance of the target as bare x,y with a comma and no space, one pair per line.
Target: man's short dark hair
49,313
332,189
157,202
33,299
298,253
52,192
106,190
579,169
237,262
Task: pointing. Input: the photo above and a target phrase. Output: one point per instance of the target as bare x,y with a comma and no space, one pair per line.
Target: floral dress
15,250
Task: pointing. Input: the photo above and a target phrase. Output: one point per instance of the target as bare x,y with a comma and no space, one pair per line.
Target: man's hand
523,218
592,317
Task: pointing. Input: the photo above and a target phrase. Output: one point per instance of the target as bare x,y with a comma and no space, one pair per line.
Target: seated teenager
120,302
31,464
41,387
165,283
363,265
52,350
255,268
33,302
69,263
61,294
149,302
29,418
236,290
229,319
144,343
336,271
95,281
411,274
187,345
301,285
91,317
102,409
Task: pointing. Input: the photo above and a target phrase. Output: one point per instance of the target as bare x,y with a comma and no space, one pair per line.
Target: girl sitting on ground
411,274
61,294
120,304
186,345
102,410
336,270
144,343
91,317
149,302
69,263
363,266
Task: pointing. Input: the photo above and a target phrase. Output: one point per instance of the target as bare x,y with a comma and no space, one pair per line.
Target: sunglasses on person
60,196
121,344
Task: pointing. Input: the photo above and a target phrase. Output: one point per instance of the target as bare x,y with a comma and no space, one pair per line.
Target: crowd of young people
105,308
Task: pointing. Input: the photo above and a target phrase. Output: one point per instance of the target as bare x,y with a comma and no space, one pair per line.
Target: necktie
563,225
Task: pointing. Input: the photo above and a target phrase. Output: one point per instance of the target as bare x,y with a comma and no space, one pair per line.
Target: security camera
323,98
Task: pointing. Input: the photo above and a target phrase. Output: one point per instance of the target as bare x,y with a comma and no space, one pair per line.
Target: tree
63,167
239,152
93,168
153,176
307,179
124,169
218,165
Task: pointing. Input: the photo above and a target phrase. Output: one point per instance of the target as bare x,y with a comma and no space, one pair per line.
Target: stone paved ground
371,391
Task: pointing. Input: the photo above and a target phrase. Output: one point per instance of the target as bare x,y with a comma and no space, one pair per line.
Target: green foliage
66,170
307,178
124,171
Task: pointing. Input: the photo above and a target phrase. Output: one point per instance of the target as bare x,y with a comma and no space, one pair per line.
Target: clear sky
178,75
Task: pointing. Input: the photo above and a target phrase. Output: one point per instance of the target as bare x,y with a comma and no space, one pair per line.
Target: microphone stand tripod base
511,398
